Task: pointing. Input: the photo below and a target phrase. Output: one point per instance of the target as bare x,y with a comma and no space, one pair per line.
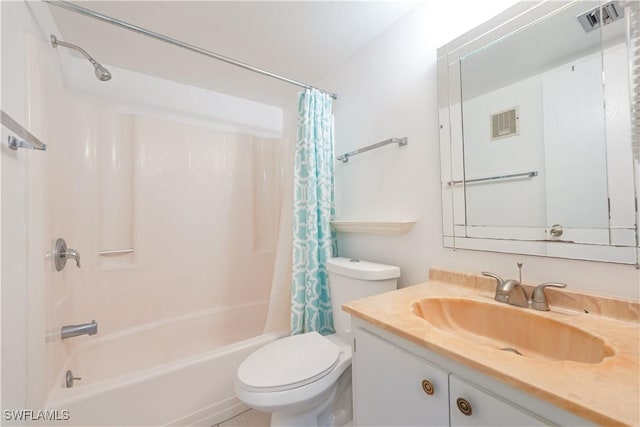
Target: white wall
390,89
24,277
133,92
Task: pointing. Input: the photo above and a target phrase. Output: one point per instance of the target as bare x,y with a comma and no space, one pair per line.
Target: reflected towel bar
400,141
493,178
28,140
115,252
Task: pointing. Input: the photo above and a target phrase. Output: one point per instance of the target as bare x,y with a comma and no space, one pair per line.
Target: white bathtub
172,372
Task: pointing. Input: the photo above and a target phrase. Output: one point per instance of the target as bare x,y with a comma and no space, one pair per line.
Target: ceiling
301,40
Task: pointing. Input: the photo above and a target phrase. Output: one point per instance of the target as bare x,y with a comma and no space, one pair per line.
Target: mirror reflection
546,133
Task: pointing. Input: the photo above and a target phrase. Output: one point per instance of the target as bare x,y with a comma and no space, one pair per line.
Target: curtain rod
104,18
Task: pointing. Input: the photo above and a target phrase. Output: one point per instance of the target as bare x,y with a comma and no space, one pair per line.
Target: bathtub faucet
75,330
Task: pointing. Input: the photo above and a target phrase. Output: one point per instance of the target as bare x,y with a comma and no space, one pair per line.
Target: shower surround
199,208
195,195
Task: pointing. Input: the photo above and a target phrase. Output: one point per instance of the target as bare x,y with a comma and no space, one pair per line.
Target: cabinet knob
464,406
427,387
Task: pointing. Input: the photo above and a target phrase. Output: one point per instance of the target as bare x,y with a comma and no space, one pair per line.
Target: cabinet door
392,387
480,408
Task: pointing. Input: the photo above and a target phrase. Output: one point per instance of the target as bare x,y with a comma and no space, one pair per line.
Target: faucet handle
495,276
539,298
61,253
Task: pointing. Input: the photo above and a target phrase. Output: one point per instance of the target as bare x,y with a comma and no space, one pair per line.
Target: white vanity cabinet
471,406
393,387
389,389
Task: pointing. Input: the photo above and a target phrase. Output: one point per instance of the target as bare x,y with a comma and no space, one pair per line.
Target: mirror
536,133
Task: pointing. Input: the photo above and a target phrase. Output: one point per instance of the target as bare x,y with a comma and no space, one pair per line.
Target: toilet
305,380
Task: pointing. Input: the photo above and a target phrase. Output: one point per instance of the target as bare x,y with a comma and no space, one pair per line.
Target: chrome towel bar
494,178
344,158
115,252
28,140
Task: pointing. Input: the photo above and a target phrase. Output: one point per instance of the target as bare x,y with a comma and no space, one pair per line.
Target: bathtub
178,371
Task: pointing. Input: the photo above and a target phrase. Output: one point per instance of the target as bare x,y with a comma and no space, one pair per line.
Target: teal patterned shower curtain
314,242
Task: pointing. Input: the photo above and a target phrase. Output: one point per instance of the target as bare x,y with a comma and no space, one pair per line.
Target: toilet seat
289,363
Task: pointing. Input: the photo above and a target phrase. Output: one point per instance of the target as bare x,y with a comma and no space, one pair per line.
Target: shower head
101,72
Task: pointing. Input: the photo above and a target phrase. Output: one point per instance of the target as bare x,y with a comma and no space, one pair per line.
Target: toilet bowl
305,380
276,379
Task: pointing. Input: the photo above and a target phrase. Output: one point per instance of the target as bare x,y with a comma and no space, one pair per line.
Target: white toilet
305,380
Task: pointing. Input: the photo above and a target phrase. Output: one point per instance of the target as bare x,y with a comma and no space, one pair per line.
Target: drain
512,350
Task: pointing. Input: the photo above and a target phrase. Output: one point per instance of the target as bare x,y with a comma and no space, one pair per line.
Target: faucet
75,330
538,299
61,253
74,255
509,291
505,292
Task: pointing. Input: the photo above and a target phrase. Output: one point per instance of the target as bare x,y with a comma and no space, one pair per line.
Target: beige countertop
606,393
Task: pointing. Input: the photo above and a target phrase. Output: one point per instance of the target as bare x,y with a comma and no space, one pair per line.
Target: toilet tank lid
364,270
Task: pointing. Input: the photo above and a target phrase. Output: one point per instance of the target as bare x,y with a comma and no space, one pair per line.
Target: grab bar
115,252
28,140
493,178
344,158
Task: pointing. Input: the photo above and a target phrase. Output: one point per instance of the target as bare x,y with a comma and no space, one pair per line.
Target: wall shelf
376,227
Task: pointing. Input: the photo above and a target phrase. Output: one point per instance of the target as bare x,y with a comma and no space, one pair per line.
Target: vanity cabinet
393,386
471,406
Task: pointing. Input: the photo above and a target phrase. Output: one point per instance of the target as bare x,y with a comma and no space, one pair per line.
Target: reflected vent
592,19
504,124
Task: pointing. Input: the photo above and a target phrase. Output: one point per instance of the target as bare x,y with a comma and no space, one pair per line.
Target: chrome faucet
75,330
74,255
512,292
506,291
61,253
538,299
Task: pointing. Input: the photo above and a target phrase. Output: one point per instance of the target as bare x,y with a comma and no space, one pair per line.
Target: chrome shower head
101,72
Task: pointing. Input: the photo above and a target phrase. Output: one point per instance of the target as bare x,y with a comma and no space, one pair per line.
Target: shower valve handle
61,253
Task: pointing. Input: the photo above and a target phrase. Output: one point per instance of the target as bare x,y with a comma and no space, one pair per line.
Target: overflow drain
512,350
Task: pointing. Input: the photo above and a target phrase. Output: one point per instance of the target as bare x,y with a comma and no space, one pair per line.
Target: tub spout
73,254
75,330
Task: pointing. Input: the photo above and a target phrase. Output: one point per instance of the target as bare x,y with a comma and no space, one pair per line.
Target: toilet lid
288,363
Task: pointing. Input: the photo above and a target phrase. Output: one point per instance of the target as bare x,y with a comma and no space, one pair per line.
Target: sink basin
508,328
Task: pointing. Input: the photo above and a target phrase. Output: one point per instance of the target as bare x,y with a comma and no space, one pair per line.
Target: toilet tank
351,279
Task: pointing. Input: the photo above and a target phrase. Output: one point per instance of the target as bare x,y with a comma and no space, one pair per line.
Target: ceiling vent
591,20
505,124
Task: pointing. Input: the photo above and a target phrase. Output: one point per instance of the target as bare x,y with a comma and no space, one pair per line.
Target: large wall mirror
538,111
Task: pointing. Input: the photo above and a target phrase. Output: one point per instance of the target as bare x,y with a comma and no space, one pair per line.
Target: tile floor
250,418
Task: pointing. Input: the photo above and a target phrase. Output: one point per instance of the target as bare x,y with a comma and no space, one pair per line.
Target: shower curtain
314,242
